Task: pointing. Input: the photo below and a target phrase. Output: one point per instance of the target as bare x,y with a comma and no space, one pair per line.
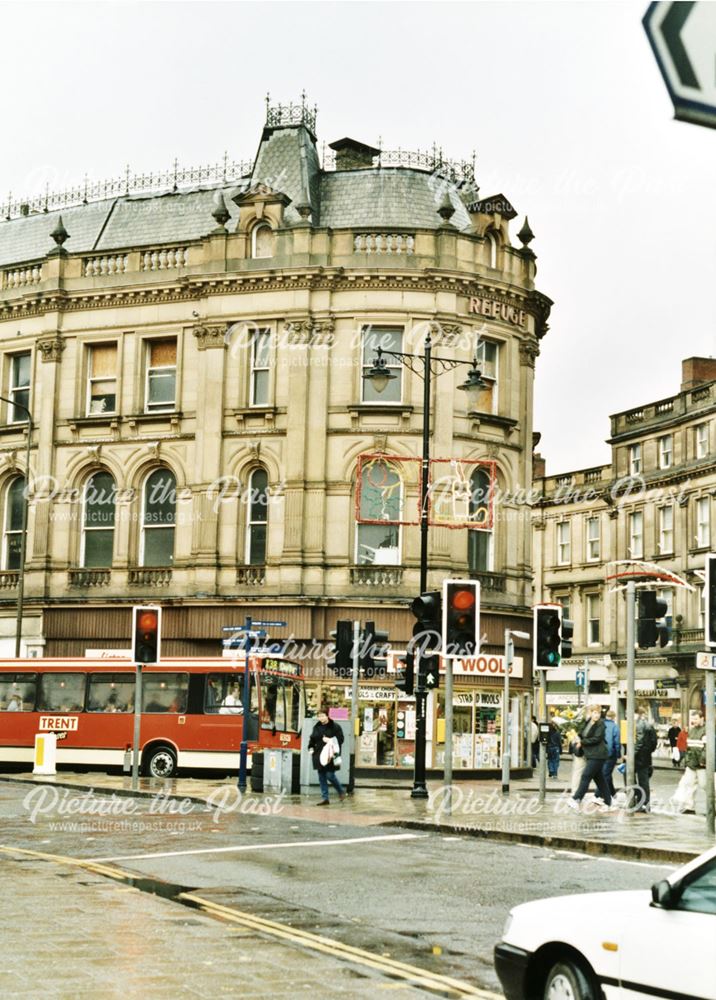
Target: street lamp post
380,375
510,633
23,532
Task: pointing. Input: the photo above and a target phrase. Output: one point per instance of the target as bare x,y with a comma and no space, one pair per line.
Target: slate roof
287,161
387,196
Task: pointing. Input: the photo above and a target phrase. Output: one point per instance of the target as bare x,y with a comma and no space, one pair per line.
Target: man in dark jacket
644,746
323,733
592,740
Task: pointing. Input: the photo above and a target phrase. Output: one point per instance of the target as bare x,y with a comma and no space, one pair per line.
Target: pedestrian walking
593,743
554,749
534,740
614,748
326,742
644,746
694,776
578,761
673,738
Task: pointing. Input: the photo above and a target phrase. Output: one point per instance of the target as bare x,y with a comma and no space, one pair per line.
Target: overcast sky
563,103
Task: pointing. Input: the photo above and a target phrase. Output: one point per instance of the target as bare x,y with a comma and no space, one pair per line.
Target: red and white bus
192,710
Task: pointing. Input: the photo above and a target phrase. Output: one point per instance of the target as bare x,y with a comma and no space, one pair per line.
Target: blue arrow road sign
580,679
271,624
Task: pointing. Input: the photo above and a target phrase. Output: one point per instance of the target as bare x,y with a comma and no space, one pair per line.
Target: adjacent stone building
192,349
653,503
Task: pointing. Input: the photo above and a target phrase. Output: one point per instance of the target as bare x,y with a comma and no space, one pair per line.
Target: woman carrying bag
326,742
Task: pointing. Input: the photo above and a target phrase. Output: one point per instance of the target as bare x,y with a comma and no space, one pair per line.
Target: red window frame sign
471,464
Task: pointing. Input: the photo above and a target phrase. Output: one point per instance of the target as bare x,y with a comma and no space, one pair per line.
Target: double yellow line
303,939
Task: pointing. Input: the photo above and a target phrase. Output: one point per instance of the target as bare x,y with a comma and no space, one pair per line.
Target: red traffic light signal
461,618
146,634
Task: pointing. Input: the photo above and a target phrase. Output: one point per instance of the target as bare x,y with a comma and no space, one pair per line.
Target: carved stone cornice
51,348
191,287
209,336
307,330
529,352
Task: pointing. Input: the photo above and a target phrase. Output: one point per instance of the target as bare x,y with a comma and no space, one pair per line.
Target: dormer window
262,241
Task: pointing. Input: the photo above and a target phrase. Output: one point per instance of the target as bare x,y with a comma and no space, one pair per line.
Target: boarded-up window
262,240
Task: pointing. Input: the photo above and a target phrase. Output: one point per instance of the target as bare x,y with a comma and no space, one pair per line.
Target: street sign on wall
683,38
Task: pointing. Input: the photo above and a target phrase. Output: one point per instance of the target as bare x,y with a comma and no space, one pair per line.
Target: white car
616,945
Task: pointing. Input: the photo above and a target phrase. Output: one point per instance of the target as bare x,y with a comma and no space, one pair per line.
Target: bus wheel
160,762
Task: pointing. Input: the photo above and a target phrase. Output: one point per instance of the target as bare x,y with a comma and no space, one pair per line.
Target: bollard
45,753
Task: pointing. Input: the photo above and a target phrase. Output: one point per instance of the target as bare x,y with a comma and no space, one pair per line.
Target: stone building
192,349
653,503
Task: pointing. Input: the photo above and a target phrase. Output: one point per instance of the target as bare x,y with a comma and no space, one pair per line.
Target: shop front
385,740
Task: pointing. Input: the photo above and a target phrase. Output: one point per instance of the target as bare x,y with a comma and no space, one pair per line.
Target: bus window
62,692
223,694
111,693
293,705
165,692
271,693
17,692
280,703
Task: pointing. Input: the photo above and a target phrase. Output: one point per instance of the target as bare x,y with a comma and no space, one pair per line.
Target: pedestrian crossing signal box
543,732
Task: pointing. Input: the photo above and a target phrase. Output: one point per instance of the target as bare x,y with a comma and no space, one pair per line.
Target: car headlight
508,924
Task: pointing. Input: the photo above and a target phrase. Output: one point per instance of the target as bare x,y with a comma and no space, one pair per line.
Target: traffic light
427,631
373,651
546,637
405,679
566,632
710,599
342,661
429,672
651,607
461,618
146,634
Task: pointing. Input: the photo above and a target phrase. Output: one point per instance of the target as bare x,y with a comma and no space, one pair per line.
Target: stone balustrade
89,577
384,243
163,259
111,263
149,576
21,277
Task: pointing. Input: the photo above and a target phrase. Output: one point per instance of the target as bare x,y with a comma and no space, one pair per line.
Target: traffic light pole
419,790
542,744
354,702
137,728
509,652
631,677
244,748
447,767
710,749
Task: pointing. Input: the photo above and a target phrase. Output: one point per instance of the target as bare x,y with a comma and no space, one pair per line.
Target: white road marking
262,847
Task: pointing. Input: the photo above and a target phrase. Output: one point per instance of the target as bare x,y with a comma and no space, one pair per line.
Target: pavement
478,809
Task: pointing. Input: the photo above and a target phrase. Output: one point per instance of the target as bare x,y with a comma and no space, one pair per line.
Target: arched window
158,519
257,518
479,543
12,541
262,240
98,520
491,250
380,503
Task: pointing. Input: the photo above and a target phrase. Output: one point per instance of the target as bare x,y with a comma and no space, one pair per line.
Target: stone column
208,455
